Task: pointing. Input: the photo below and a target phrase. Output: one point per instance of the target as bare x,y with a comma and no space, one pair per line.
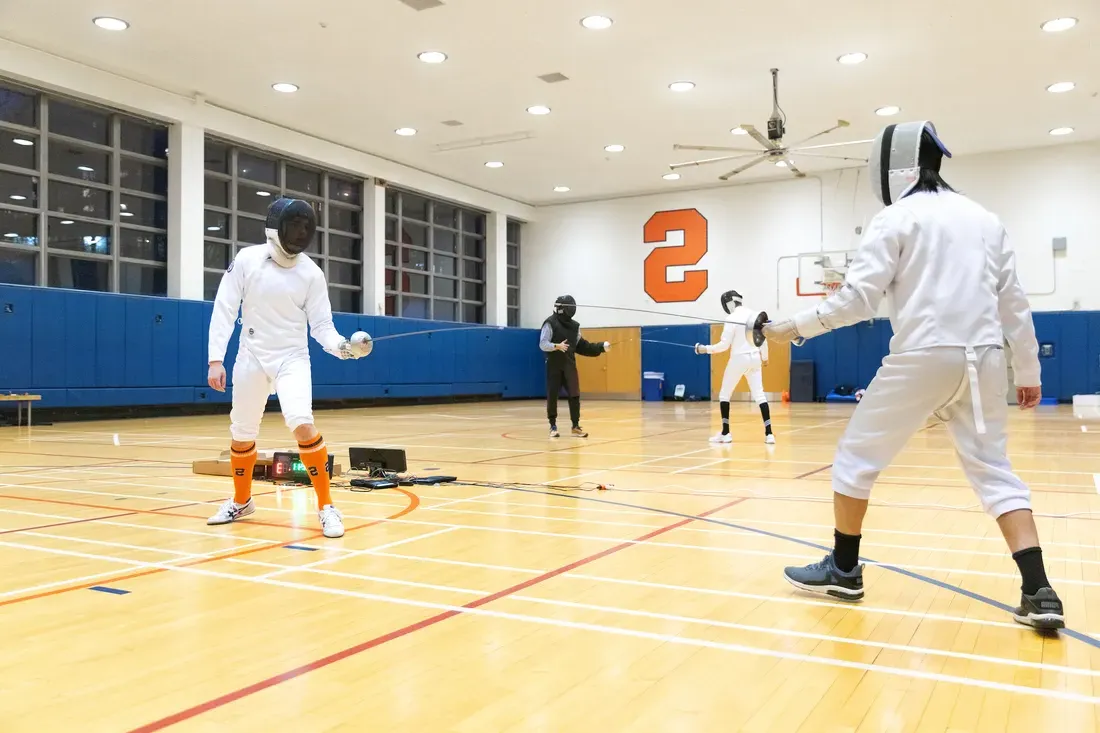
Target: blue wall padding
82,349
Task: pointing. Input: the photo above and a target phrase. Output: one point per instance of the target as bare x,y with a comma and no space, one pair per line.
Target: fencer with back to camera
279,292
944,264
746,359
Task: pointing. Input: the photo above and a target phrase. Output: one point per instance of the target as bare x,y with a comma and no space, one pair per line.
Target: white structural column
374,248
496,270
185,211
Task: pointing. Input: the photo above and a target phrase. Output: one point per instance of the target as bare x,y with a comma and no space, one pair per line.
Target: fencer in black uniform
561,340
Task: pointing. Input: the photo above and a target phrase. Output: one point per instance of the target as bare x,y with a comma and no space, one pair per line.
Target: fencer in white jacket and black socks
746,359
944,264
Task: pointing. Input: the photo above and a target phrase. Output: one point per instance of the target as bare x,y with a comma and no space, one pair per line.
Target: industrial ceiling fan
774,149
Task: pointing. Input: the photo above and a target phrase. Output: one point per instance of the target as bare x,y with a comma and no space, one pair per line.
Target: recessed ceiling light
1058,25
23,141
432,57
561,189
1055,131
263,193
85,168
125,213
596,22
780,164
888,111
17,197
538,109
739,131
111,24
67,221
851,59
11,234
285,87
671,176
494,164
614,148
1061,86
213,229
682,86
405,131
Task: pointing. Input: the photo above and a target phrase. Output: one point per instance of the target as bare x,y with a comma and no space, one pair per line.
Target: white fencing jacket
945,263
736,336
276,305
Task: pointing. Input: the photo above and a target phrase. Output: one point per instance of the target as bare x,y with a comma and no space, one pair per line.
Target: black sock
766,413
1030,562
845,550
725,409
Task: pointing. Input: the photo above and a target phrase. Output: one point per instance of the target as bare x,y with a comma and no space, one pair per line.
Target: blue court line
1079,636
105,589
302,547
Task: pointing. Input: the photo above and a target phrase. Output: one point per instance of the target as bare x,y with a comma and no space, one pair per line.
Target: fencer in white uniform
746,360
945,266
279,292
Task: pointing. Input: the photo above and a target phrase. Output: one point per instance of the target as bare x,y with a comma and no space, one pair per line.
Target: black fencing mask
728,297
291,224
566,307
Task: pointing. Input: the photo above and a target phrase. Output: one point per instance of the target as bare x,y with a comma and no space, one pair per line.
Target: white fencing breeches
253,384
747,365
910,387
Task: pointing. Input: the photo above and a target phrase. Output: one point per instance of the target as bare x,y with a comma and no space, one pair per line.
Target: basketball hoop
831,288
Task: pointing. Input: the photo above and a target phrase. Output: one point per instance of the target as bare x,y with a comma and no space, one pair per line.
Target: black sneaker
554,431
825,577
1041,611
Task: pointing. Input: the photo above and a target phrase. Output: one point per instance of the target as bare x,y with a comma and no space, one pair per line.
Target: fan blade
793,168
826,155
744,167
755,134
705,161
836,145
839,124
714,148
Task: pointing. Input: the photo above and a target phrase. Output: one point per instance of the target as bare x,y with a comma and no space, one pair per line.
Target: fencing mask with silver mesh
897,156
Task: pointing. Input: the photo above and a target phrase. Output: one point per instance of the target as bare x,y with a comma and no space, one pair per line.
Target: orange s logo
657,285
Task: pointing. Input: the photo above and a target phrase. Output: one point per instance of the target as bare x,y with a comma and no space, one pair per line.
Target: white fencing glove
700,349
782,331
606,346
359,345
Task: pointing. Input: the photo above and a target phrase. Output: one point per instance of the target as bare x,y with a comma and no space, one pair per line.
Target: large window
83,196
242,183
435,259
515,231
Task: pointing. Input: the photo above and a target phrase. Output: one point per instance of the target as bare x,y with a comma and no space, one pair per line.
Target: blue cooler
653,386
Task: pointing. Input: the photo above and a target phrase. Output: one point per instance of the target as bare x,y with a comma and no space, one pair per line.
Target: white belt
975,394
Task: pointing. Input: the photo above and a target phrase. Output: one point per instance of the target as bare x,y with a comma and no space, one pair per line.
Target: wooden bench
19,399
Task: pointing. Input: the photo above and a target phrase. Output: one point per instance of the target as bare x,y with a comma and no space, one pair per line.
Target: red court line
414,502
252,689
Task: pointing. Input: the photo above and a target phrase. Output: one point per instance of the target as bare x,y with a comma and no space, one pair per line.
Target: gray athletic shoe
825,577
1041,611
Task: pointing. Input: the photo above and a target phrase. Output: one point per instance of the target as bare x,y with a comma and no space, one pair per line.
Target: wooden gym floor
657,605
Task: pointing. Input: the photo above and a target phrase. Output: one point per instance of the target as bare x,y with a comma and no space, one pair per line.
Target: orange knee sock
242,462
315,457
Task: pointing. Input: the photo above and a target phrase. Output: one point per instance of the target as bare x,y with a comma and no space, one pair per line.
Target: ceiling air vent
554,78
452,123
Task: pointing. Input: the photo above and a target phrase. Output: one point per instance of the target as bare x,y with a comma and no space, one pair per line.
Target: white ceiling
977,69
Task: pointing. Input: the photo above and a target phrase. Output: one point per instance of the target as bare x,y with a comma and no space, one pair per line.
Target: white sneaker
769,439
231,511
727,438
332,522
